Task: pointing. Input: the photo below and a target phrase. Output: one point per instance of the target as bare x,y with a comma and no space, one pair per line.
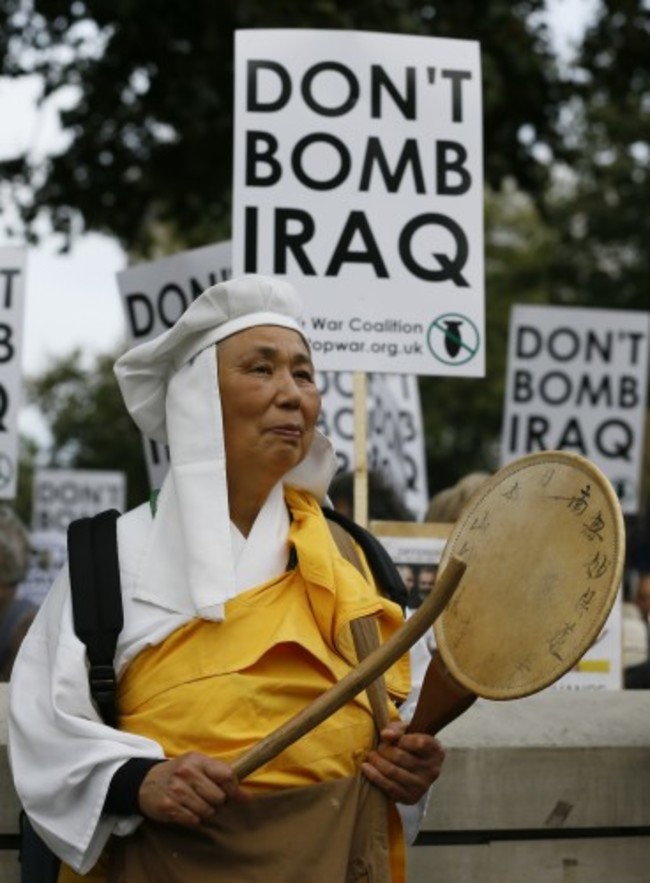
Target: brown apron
332,832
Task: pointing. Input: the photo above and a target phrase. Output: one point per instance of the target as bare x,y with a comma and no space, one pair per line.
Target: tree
150,151
91,428
462,416
27,461
601,206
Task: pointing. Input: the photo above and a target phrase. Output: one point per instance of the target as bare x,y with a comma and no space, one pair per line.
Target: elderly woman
237,611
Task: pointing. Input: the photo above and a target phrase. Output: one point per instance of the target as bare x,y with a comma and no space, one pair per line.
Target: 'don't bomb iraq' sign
62,495
155,294
577,381
358,176
12,309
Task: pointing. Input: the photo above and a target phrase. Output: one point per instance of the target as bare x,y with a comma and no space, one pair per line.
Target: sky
72,300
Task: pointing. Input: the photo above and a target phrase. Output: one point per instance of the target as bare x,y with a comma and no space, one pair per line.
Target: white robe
62,756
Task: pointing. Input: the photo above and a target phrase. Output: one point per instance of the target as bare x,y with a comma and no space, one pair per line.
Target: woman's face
269,400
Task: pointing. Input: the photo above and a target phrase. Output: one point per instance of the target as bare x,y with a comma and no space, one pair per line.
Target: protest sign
417,550
601,666
47,556
577,381
61,495
154,295
12,309
395,434
358,175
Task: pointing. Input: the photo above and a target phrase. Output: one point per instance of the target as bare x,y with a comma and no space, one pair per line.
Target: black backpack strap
97,602
383,568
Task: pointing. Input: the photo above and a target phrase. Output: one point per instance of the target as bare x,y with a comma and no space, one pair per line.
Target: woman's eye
304,375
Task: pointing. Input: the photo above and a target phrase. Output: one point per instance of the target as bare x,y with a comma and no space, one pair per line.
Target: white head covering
170,386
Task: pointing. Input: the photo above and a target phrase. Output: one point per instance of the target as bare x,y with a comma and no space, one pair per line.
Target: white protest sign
395,434
601,666
48,554
12,308
154,295
577,381
61,495
358,175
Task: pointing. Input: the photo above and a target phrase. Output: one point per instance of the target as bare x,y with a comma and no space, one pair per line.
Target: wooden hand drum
543,542
527,580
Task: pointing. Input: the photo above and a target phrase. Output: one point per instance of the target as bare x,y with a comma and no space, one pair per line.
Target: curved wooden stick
359,678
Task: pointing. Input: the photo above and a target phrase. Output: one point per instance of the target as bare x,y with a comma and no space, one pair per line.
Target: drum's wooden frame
544,542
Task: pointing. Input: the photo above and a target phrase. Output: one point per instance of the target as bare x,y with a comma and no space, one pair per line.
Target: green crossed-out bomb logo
453,339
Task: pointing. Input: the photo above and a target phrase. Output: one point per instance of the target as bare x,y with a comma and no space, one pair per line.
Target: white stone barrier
554,788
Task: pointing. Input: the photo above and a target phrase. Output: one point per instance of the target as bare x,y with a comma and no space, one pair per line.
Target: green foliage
601,211
90,426
150,150
27,458
462,416
149,161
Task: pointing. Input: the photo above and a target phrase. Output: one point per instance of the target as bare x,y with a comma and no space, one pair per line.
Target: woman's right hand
188,790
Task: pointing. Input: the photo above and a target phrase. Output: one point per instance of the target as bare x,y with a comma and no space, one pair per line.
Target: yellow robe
220,687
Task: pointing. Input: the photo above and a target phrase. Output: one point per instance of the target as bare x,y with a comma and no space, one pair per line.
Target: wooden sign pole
361,448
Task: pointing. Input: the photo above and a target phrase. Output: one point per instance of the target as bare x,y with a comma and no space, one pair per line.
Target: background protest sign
601,666
395,434
61,495
154,295
416,549
358,175
12,309
47,555
577,381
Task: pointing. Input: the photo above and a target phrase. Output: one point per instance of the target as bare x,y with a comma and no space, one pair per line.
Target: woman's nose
288,389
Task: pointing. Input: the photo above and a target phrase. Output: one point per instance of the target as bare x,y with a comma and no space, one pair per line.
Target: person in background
408,574
642,595
636,634
635,628
445,506
636,604
426,580
384,503
16,614
237,615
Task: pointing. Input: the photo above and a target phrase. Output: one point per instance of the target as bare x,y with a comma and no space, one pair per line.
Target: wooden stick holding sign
361,448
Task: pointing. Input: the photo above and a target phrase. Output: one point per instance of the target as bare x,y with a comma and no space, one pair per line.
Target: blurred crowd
636,606
16,613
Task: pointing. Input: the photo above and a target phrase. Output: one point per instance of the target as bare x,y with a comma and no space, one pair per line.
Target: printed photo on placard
416,549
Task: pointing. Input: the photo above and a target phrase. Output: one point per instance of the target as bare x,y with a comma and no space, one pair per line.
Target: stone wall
554,788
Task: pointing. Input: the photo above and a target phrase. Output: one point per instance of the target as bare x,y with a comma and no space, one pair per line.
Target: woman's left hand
404,765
